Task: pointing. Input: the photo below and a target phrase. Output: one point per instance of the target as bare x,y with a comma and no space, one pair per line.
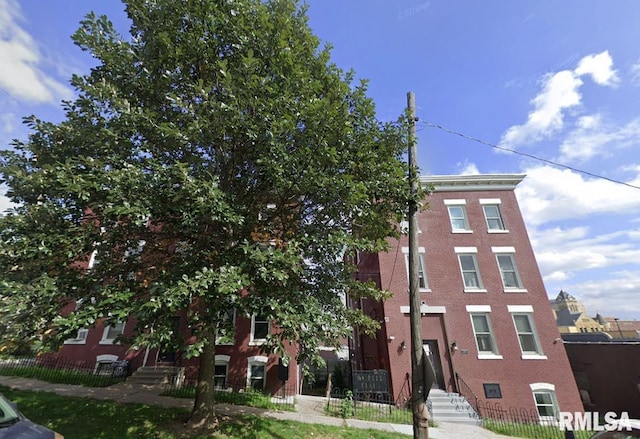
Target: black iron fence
236,392
369,406
511,421
54,369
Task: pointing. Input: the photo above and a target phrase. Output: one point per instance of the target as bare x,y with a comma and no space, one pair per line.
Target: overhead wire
531,156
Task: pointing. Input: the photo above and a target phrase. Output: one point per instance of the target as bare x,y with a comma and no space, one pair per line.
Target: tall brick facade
486,316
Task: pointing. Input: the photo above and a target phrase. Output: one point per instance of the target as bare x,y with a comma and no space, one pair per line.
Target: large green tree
214,159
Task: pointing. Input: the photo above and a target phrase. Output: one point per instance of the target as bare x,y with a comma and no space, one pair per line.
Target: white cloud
564,260
635,73
560,92
8,123
22,75
599,67
549,194
593,137
5,203
616,295
468,168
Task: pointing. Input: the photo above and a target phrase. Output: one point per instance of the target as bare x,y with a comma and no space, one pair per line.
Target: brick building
239,360
486,317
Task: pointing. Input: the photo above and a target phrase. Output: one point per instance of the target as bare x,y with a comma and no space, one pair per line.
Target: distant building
487,323
572,317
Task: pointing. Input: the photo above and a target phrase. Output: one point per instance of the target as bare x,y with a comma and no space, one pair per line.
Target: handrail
468,394
405,389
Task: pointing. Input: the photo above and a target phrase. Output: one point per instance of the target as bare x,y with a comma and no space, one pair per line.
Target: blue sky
559,80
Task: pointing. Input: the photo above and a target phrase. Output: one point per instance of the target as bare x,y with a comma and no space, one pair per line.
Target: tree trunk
203,414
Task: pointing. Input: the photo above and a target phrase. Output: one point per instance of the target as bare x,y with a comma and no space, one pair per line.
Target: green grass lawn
83,418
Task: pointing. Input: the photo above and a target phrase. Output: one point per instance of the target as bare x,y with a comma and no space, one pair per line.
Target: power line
531,156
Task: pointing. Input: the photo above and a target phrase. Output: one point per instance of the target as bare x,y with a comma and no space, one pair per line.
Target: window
226,328
526,331
458,216
509,271
220,371
483,332
469,269
423,284
484,335
259,329
111,332
544,396
491,208
256,372
80,338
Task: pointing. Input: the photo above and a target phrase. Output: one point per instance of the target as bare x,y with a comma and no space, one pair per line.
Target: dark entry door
432,351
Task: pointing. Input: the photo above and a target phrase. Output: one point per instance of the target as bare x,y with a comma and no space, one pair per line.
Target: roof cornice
481,182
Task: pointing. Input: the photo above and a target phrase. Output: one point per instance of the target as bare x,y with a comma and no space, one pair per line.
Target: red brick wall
513,373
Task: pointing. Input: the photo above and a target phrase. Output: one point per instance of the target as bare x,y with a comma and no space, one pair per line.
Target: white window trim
503,250
496,202
484,309
222,360
511,252
458,203
472,251
257,359
545,387
109,341
519,308
104,359
421,251
542,386
81,337
465,249
257,341
534,357
528,355
478,308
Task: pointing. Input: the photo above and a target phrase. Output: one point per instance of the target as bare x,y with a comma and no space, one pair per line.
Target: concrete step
451,407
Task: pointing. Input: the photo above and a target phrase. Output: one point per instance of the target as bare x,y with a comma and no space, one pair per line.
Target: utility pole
418,358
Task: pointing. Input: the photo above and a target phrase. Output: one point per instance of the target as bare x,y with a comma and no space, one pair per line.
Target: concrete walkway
309,409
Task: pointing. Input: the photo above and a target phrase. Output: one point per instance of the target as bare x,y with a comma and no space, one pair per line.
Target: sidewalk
309,409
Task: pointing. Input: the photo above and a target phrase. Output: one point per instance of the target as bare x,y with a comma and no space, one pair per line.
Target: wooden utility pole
418,358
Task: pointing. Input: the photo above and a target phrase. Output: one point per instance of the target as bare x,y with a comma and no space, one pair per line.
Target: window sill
425,290
497,231
533,357
516,290
73,341
489,357
108,342
257,342
475,290
462,231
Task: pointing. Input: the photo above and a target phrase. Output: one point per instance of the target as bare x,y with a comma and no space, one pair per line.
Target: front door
431,349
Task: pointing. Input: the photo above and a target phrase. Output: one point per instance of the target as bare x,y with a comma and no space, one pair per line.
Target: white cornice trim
486,182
